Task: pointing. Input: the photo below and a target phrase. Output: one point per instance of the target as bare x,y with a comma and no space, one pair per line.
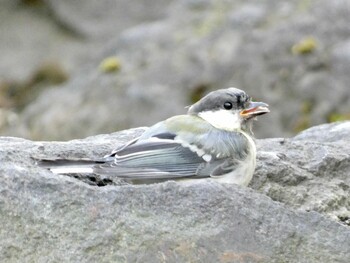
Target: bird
213,140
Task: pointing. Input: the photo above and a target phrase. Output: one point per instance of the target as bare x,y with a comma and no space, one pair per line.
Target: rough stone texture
312,171
200,45
56,218
330,133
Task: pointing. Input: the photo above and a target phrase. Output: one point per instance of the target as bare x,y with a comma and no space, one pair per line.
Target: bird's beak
255,109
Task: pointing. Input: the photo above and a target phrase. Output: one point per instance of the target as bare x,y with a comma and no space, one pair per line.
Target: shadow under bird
213,140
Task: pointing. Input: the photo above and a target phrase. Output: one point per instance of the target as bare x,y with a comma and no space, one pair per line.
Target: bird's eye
228,105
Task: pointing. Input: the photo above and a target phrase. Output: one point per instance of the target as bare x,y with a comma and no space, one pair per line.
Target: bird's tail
69,166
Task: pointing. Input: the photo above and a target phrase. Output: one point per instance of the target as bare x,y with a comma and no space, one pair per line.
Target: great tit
213,140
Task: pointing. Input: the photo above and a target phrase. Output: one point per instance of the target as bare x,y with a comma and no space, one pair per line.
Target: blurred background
71,69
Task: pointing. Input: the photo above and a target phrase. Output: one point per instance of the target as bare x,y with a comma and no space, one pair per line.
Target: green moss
305,46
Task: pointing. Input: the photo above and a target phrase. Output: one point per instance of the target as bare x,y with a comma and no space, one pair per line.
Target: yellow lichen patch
305,46
110,64
333,117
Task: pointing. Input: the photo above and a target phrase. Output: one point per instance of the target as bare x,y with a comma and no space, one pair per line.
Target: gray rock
248,16
340,59
106,18
56,218
334,132
199,46
65,32
309,171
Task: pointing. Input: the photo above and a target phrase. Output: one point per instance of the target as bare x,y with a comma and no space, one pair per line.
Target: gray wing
225,167
153,158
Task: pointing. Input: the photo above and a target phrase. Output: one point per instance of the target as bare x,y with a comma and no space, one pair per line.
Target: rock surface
67,32
312,170
293,55
56,218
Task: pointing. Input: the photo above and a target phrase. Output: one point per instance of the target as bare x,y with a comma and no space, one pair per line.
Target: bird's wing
225,167
153,158
186,146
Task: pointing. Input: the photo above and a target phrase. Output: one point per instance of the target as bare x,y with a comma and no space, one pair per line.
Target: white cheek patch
223,119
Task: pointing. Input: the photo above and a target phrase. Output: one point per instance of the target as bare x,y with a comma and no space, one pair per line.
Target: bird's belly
243,174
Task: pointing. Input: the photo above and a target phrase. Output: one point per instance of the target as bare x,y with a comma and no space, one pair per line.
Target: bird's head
229,109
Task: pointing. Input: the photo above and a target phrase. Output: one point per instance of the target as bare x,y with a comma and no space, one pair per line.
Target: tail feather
69,166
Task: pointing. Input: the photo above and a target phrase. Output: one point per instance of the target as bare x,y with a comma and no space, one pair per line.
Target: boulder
288,214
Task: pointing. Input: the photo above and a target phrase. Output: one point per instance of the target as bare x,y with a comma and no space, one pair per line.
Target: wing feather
152,158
